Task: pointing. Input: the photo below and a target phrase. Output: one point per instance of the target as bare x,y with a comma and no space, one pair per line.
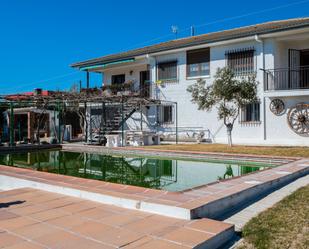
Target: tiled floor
32,218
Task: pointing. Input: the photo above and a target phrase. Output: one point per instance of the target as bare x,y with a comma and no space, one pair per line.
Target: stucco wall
269,54
131,73
189,116
282,51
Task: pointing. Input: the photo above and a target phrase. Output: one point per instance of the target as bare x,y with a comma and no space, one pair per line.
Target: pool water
155,173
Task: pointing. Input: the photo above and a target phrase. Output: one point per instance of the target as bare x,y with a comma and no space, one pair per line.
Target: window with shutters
198,62
167,71
241,61
250,113
166,114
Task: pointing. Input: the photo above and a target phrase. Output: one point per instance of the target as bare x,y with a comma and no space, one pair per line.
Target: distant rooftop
25,95
258,29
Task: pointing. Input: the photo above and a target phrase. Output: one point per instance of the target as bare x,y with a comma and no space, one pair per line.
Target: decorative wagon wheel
298,119
277,107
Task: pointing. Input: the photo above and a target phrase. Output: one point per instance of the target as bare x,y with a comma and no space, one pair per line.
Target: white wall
277,129
282,51
269,54
132,72
188,115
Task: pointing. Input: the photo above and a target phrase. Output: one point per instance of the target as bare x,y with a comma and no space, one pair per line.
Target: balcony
296,78
129,89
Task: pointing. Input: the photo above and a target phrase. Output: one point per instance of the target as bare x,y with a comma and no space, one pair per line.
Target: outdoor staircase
127,113
115,119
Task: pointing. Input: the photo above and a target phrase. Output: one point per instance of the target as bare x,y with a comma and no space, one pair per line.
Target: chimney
37,91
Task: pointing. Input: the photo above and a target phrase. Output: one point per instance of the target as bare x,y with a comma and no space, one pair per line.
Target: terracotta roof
25,95
258,29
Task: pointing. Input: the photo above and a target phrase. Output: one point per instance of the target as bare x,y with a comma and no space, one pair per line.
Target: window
241,62
251,113
166,114
118,79
167,71
198,62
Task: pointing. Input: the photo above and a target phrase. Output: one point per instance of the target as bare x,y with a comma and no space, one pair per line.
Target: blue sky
40,39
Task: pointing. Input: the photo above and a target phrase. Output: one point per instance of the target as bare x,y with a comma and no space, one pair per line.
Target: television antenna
175,30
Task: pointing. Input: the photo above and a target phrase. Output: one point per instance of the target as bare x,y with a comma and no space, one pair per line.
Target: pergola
60,102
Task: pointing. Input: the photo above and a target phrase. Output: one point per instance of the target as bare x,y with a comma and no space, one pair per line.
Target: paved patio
31,219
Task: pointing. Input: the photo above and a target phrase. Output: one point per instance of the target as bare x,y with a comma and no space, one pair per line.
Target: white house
278,52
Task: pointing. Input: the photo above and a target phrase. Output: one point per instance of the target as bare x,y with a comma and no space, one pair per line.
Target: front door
145,84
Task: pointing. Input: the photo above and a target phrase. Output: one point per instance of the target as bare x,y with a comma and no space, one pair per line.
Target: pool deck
28,147
32,219
45,210
191,155
210,201
241,218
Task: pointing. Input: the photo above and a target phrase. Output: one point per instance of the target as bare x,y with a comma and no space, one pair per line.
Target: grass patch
254,150
286,225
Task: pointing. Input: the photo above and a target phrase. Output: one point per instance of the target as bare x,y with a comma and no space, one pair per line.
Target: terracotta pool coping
196,155
145,149
206,153
28,147
187,204
31,218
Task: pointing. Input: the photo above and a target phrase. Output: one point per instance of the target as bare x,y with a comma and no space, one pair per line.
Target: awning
87,68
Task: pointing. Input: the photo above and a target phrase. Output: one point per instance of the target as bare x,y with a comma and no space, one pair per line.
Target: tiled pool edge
28,148
131,151
219,207
175,212
178,205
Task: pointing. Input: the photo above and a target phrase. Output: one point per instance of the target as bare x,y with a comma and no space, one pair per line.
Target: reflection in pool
156,173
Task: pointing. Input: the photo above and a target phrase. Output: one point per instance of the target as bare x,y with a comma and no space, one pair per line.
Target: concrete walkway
241,218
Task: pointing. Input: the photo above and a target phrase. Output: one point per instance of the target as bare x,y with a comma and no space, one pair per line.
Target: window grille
241,61
250,113
167,71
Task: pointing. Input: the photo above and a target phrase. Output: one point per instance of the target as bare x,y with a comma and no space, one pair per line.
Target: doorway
304,58
145,83
298,69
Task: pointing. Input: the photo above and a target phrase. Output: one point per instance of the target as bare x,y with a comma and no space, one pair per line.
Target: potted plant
106,90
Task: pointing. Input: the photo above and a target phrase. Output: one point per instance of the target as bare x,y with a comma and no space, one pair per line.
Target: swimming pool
150,172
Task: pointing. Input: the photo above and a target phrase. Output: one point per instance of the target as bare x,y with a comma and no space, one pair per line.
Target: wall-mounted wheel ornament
298,119
277,107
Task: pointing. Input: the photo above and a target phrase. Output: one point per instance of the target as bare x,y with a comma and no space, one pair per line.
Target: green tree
227,94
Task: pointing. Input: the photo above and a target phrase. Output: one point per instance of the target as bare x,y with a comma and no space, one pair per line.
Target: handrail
284,68
290,78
